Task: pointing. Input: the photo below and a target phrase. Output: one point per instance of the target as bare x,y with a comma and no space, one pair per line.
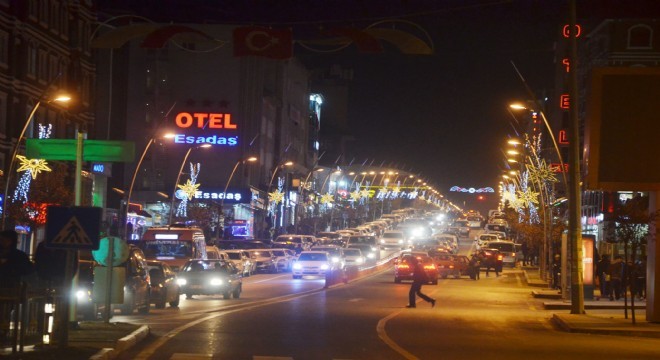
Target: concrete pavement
602,324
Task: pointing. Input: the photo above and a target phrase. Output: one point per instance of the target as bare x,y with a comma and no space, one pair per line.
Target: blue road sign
75,227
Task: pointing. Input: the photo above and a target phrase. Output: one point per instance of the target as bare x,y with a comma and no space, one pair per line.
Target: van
174,245
214,253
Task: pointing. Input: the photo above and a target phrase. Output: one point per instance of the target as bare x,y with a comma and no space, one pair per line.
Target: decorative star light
396,190
364,193
276,197
34,166
189,188
327,198
356,195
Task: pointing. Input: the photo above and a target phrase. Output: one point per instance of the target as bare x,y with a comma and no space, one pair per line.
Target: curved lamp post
278,167
224,192
178,177
59,98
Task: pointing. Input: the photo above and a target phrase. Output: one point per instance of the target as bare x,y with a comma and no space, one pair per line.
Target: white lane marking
382,334
355,300
272,358
269,279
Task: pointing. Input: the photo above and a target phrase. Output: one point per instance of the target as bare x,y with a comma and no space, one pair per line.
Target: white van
214,253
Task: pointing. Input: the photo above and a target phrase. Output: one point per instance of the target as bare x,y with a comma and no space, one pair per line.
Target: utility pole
574,195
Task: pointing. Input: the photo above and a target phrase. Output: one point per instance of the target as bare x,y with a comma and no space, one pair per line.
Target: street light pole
224,192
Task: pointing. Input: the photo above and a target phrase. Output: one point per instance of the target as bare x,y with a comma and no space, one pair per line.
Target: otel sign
207,122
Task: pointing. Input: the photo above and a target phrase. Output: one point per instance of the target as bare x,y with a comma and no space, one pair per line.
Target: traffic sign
74,227
93,150
119,251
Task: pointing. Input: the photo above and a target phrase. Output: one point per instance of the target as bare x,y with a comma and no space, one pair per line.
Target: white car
353,257
311,263
241,259
264,260
336,254
393,238
283,258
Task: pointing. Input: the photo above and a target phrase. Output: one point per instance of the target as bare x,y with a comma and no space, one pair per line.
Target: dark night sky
442,115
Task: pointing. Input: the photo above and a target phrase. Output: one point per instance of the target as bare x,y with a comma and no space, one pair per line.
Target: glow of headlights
359,260
400,241
216,281
80,294
335,259
325,267
181,281
371,256
297,266
382,241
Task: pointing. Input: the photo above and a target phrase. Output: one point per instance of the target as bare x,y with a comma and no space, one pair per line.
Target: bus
174,245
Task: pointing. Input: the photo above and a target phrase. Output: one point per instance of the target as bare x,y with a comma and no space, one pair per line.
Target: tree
629,225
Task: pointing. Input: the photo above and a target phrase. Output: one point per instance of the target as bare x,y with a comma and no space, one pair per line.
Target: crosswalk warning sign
73,227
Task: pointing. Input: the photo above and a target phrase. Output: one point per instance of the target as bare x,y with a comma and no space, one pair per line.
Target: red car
403,269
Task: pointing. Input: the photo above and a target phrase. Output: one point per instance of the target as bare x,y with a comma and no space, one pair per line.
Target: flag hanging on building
264,42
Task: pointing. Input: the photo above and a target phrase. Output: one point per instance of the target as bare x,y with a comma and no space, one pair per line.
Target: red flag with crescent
264,42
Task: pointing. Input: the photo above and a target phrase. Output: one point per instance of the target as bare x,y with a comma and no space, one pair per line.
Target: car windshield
289,239
503,247
351,252
363,248
278,253
393,235
206,265
423,259
332,251
262,253
362,240
168,248
313,257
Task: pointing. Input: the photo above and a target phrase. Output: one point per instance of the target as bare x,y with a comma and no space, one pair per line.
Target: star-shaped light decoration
364,193
189,188
34,166
356,195
528,196
396,190
327,198
276,197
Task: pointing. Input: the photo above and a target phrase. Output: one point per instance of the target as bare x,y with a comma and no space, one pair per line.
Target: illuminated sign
566,31
567,64
564,101
232,196
101,168
472,190
563,137
194,122
556,167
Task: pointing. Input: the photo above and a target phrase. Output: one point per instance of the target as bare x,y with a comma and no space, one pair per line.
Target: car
492,228
490,258
241,244
371,255
432,246
327,237
210,277
86,307
393,238
264,260
242,260
137,287
403,269
454,265
293,242
336,254
283,258
312,263
506,248
353,257
164,288
463,227
484,238
213,252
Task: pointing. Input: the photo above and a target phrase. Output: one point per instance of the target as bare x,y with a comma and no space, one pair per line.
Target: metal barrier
23,319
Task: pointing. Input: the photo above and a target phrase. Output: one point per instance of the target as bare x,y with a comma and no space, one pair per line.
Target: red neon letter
566,31
201,119
183,120
563,138
565,62
215,121
228,124
564,101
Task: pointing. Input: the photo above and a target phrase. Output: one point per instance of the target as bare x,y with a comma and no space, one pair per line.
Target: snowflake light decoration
189,188
356,195
34,166
364,193
276,197
327,198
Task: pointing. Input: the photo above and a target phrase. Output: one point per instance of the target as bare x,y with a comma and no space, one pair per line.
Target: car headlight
297,266
82,294
371,255
216,281
335,259
325,267
359,260
400,241
382,241
181,281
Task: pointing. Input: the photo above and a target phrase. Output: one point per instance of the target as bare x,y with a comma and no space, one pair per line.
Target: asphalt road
281,318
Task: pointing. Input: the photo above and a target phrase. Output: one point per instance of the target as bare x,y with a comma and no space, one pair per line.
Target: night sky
442,115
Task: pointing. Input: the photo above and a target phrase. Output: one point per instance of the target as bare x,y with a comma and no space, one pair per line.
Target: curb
122,344
564,326
604,306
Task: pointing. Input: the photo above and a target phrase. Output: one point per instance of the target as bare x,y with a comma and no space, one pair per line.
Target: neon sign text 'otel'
207,121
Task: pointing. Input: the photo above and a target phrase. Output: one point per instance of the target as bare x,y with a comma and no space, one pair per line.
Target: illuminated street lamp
61,98
288,163
178,177
224,192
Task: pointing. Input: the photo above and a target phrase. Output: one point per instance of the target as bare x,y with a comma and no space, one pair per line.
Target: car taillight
451,266
429,267
402,266
499,257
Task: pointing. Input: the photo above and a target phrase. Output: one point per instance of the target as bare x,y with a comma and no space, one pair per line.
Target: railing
24,319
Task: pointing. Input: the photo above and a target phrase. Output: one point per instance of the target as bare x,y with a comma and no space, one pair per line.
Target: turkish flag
264,42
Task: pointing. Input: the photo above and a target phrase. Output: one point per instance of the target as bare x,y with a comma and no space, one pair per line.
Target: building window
640,37
32,60
43,65
3,113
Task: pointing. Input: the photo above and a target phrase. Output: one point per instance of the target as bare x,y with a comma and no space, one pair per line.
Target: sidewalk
94,340
588,323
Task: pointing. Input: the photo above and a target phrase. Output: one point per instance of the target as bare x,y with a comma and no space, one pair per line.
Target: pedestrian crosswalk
192,356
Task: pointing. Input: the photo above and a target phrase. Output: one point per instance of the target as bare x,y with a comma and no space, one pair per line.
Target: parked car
241,244
283,258
137,286
449,264
403,269
210,277
353,257
312,263
242,260
264,260
164,288
213,253
293,242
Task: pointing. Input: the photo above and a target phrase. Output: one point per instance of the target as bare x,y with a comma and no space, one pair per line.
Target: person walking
615,271
419,278
14,263
602,271
525,251
474,266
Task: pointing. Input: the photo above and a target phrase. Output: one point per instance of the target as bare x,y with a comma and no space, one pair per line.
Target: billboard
622,129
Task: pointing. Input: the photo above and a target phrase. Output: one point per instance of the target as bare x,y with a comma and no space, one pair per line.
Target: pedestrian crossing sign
74,227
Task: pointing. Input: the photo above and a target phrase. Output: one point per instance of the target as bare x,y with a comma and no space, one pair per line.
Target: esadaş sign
204,128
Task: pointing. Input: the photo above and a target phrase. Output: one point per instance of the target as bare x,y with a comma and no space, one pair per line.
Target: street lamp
288,163
60,97
178,177
224,193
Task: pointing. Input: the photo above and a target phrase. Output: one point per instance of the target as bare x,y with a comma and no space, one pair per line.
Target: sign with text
205,128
